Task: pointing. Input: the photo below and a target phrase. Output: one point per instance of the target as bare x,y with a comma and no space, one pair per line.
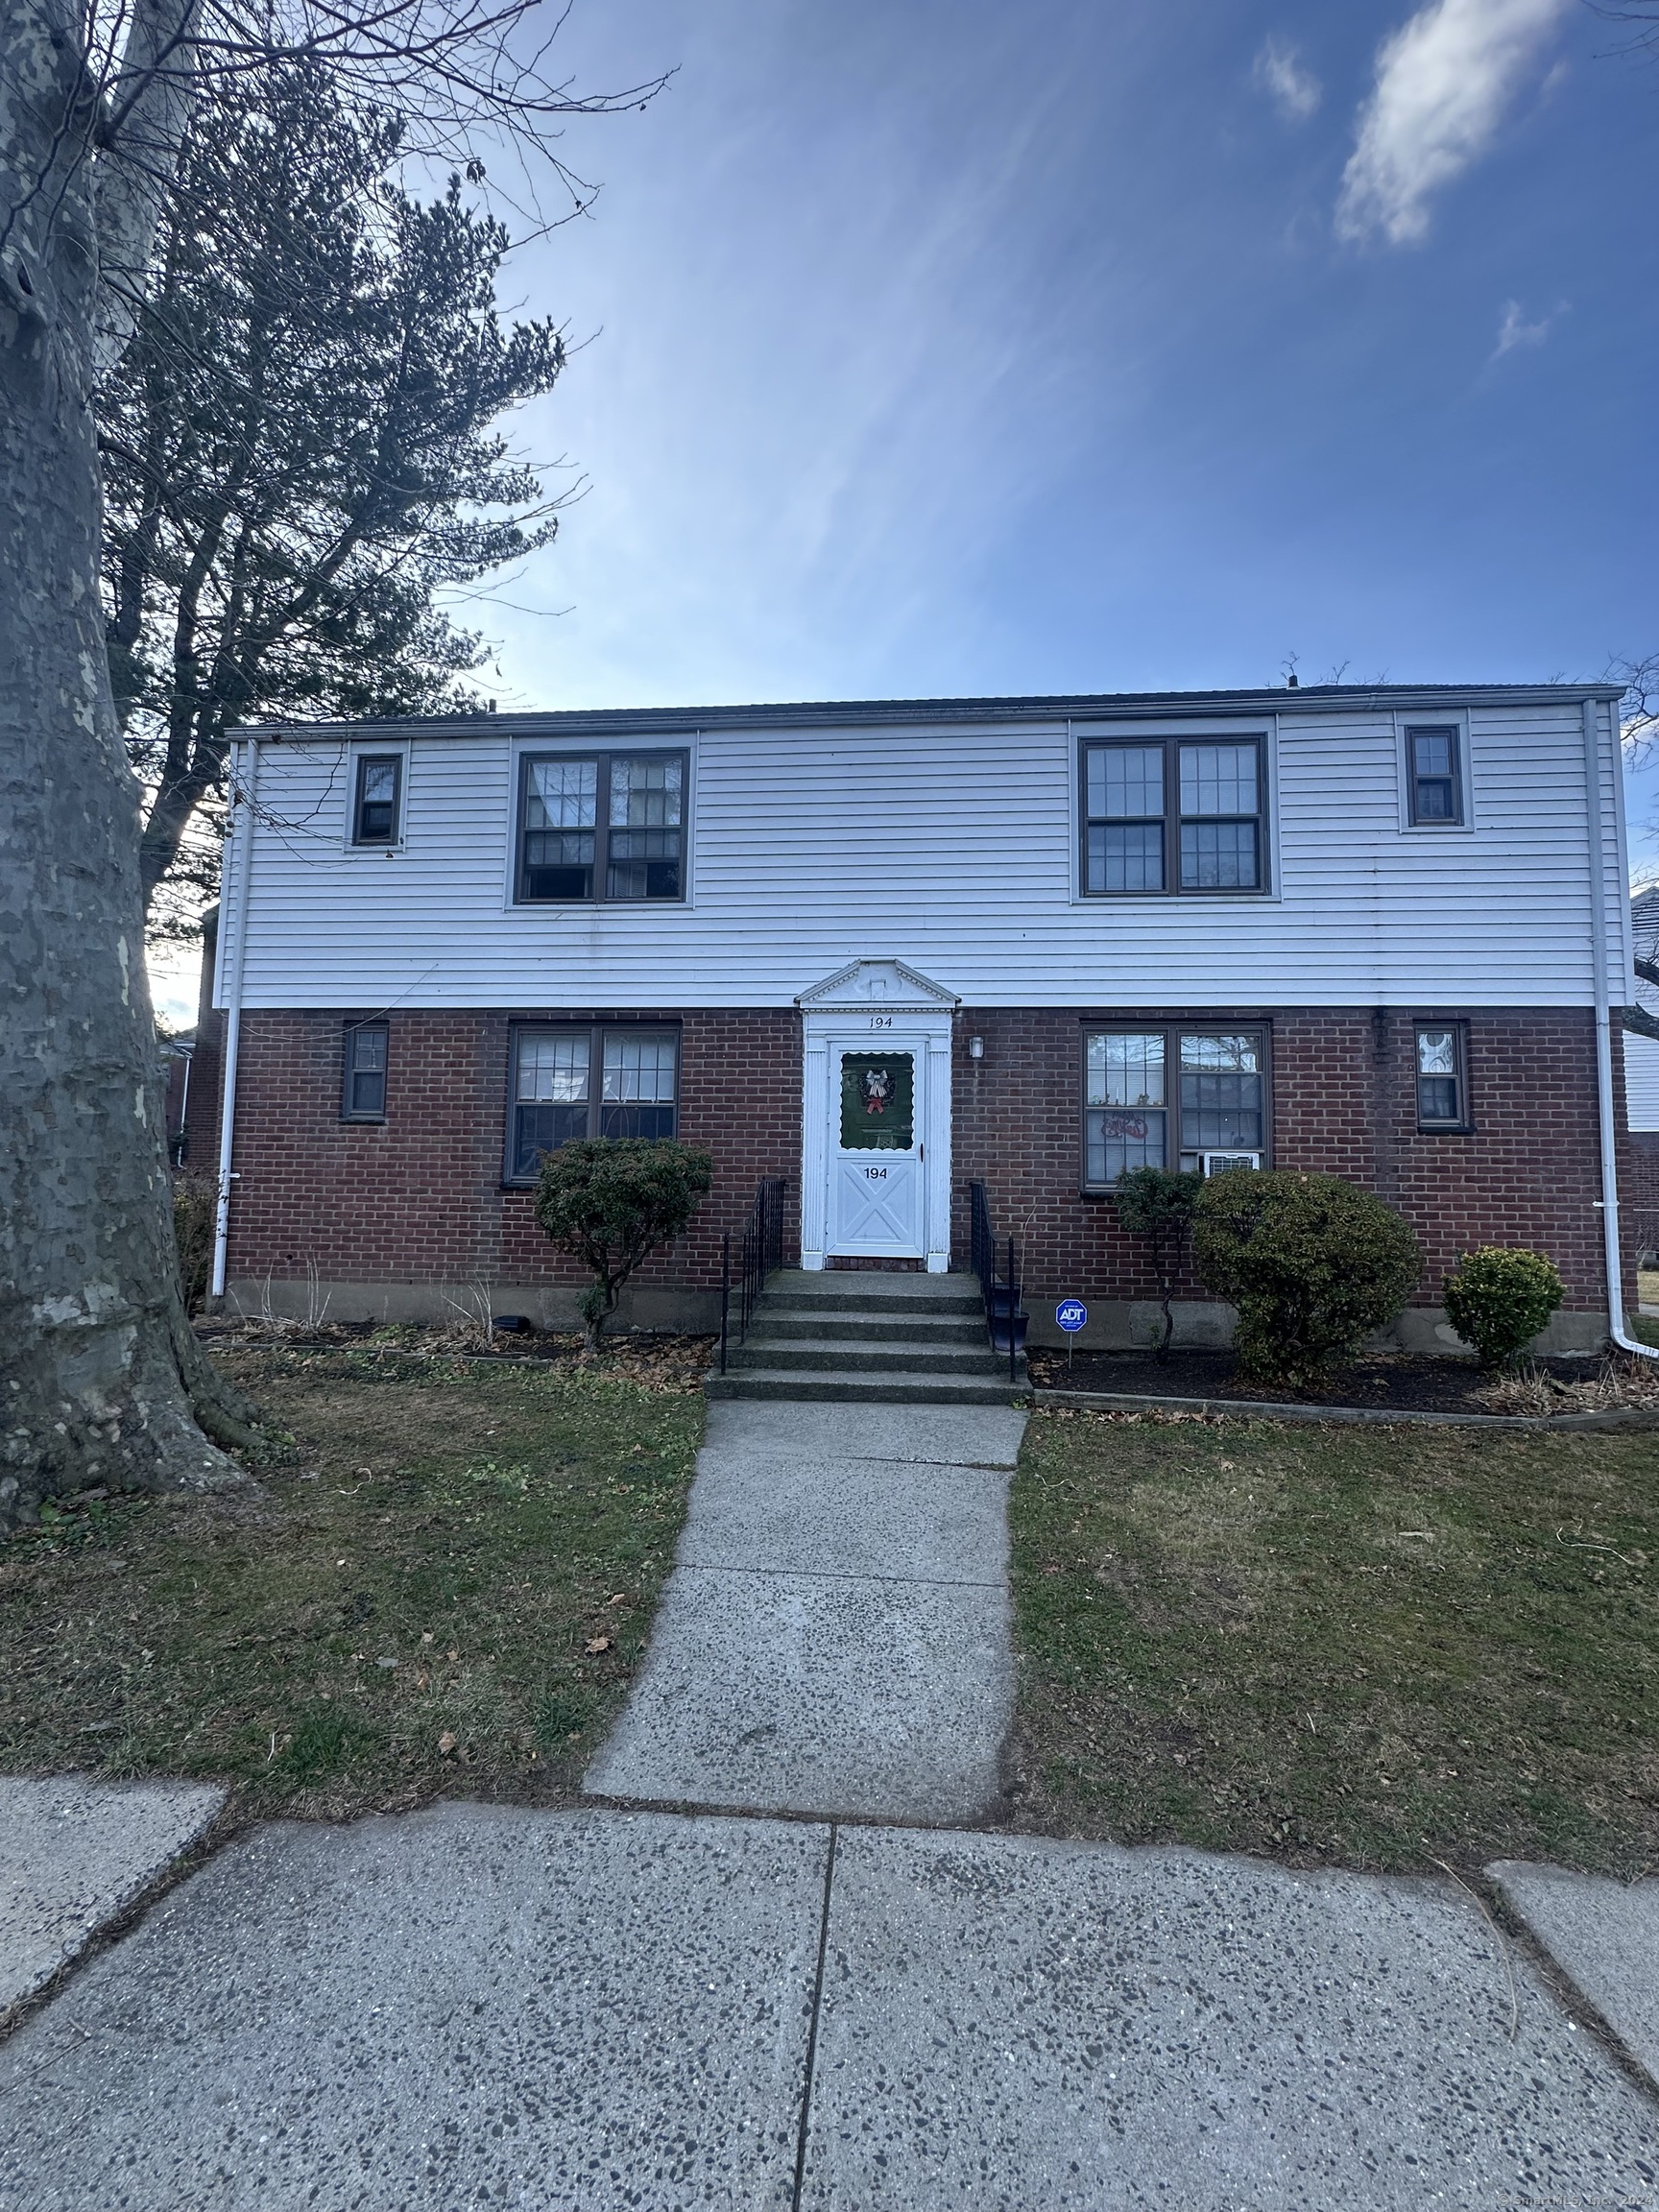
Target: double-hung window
376,799
1434,777
1442,1050
602,827
588,1081
1172,1097
363,1078
1173,814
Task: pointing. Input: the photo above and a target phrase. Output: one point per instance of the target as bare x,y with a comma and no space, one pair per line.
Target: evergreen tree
300,451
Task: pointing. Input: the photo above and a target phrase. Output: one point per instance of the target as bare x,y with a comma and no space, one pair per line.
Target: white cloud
1293,89
1515,331
1443,83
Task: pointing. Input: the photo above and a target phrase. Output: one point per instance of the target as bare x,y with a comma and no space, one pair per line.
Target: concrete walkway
835,1637
479,2006
487,2006
74,1854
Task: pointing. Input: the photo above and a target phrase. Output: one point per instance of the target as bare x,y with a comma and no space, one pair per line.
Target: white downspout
231,958
1608,1120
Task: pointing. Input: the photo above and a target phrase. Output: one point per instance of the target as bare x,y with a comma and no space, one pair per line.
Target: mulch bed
1389,1381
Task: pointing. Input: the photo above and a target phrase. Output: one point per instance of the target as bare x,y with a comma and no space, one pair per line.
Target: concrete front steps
857,1335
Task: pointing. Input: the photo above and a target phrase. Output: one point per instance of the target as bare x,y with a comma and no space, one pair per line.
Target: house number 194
880,1021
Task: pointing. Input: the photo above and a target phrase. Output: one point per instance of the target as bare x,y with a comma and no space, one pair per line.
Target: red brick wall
417,1198
1344,1103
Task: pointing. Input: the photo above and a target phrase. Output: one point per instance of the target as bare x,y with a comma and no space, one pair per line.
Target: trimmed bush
1499,1297
608,1201
1312,1263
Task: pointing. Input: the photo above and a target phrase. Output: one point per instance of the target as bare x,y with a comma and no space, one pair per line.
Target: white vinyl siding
955,847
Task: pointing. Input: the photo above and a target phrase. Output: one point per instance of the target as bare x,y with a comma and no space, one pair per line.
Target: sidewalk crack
812,2028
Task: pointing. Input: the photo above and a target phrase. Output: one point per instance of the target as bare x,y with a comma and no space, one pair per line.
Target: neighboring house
884,949
1642,1086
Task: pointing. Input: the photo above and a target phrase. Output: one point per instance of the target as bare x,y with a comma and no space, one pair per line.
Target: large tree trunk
102,1380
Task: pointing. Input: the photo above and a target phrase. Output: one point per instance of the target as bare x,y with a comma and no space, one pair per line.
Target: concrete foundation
1207,1325
1114,1324
692,1313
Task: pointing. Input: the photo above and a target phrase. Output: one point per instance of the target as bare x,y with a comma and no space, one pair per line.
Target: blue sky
946,350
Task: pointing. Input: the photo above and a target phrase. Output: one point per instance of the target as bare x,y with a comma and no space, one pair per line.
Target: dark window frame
1172,1032
601,758
1458,819
1172,820
513,1178
350,1071
1433,1125
360,776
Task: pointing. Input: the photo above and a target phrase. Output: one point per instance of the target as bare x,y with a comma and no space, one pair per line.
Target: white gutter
1608,1120
243,757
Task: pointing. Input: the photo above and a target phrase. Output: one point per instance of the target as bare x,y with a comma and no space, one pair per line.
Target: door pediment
885,983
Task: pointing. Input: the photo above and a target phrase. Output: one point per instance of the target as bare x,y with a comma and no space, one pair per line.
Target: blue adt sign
1070,1314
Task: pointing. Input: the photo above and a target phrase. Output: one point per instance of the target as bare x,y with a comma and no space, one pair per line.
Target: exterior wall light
975,1048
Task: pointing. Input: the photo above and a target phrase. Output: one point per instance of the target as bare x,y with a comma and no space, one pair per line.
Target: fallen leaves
598,1644
447,1744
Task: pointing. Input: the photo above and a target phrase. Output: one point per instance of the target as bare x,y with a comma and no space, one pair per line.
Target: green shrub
1312,1263
608,1201
1157,1203
1498,1298
195,1203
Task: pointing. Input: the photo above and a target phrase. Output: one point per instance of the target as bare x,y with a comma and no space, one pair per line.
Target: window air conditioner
1218,1162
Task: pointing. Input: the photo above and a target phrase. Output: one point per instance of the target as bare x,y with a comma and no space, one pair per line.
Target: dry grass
1378,1646
1618,1385
448,1588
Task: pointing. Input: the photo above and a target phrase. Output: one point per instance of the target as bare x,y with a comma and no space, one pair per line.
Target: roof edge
851,713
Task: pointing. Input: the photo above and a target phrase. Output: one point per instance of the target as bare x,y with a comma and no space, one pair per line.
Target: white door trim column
835,1013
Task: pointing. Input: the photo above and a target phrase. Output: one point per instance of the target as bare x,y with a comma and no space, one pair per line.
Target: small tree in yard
1157,1203
608,1201
1312,1263
1498,1298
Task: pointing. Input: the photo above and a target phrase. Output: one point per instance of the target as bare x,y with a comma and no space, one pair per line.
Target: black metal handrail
1000,1294
760,1254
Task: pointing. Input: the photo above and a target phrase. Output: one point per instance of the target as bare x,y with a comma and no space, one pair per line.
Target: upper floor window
363,1083
570,1081
1434,775
1173,814
602,825
1443,1075
1172,1098
377,801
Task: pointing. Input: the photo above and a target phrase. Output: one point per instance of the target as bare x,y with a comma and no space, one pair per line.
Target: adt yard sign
1070,1314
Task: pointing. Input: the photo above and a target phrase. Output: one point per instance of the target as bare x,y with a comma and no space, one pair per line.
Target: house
1642,1086
884,948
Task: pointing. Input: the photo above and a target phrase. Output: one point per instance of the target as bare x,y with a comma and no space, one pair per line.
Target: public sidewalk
487,2006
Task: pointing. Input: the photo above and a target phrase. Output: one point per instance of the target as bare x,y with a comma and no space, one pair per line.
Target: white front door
875,1116
877,1148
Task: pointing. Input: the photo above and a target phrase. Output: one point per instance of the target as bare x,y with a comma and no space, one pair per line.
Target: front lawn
1383,1646
447,1587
